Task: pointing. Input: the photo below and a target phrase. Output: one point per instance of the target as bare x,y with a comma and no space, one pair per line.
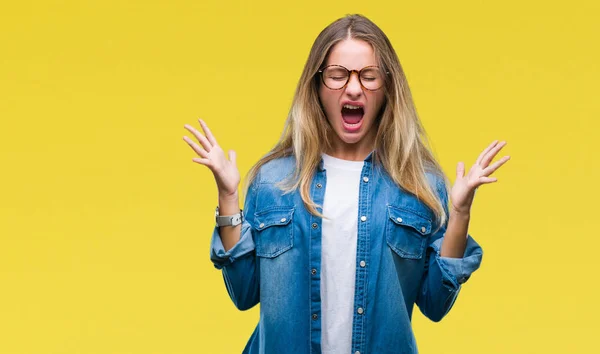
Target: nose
354,88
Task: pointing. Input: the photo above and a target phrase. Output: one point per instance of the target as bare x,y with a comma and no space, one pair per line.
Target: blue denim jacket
277,262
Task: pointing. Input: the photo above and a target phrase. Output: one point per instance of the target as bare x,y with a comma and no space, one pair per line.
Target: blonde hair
401,144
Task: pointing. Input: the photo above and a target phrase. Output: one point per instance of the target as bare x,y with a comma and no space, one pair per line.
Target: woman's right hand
212,156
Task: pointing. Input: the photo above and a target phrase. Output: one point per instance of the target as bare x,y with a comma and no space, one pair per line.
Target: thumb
232,157
460,170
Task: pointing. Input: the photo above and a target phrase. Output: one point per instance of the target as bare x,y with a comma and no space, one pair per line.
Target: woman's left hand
464,188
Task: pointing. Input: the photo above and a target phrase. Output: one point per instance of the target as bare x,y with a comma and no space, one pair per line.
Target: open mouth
352,117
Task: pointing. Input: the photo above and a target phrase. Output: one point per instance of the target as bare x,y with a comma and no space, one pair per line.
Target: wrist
461,214
229,204
228,197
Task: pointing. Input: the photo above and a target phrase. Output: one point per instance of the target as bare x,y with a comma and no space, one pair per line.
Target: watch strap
229,220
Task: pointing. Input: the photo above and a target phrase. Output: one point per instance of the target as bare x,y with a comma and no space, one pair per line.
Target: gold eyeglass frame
350,72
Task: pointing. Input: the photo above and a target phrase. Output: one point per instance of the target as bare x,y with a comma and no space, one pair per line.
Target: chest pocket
273,231
407,232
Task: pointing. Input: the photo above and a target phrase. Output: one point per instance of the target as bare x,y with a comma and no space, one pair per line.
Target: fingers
201,138
208,143
208,133
491,154
491,146
200,151
484,180
205,162
493,167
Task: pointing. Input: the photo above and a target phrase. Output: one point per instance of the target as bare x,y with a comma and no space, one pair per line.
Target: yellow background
105,221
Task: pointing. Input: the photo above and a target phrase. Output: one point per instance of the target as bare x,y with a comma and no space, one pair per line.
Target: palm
465,186
220,166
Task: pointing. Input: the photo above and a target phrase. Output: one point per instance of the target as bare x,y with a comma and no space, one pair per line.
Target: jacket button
313,271
319,185
399,219
423,229
283,219
360,310
314,225
261,225
363,264
314,316
357,352
363,218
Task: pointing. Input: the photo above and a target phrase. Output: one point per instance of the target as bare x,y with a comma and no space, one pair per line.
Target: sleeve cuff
220,258
458,270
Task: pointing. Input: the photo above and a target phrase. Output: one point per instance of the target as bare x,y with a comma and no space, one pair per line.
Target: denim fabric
278,257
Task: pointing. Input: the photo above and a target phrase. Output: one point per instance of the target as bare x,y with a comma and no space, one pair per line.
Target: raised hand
465,187
212,156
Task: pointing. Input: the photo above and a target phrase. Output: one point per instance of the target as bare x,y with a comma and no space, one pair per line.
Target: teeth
351,107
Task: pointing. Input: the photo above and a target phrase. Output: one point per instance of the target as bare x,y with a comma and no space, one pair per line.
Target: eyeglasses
336,77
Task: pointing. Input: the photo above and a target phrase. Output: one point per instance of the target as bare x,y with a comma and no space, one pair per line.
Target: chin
350,138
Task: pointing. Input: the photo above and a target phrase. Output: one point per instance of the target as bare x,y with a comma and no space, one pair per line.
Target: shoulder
269,195
436,180
439,183
276,170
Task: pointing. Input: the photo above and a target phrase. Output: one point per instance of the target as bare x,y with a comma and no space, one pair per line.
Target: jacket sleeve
444,276
239,265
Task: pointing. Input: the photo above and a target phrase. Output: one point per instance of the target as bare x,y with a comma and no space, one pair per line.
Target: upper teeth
351,106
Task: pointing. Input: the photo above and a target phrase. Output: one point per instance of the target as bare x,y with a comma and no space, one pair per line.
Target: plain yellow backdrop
105,221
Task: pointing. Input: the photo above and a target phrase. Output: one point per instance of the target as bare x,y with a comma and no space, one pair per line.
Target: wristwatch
229,220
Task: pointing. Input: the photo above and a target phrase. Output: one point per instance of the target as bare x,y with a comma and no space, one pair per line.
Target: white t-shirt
338,253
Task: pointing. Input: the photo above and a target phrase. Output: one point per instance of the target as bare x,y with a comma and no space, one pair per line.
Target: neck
352,152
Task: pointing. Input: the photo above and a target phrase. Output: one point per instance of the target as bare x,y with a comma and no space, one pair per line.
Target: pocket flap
275,216
410,218
274,231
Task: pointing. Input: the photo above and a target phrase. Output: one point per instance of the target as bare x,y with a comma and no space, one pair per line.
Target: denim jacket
277,262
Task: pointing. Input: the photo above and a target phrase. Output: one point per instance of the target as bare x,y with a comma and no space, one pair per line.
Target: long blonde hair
401,144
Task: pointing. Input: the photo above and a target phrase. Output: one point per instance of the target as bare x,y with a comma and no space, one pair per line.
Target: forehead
354,54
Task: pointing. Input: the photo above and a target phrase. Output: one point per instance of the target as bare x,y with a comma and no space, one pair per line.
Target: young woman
346,223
